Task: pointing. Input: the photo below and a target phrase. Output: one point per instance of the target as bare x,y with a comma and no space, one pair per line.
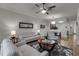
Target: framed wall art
25,25
53,26
42,26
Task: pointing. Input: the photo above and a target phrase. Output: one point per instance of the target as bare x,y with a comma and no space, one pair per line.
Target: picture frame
42,26
53,26
25,25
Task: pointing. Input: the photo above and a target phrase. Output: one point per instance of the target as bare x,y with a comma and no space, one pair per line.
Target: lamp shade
53,22
13,32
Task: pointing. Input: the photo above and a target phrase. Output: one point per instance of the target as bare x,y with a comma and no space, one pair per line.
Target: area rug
62,51
58,50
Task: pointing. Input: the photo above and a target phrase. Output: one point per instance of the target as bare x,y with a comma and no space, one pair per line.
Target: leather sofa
10,49
27,39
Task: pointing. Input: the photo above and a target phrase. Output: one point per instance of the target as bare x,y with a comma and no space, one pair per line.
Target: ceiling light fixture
43,11
53,22
60,21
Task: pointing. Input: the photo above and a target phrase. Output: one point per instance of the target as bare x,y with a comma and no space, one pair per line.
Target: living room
26,24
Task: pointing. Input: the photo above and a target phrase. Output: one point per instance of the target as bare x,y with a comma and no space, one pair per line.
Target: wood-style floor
70,43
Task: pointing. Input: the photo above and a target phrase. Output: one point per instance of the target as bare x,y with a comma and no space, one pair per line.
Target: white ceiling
61,10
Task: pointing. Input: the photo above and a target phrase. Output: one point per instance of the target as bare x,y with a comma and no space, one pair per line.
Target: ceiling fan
43,9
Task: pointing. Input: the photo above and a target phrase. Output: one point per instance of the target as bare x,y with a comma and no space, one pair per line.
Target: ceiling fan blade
49,8
37,5
38,12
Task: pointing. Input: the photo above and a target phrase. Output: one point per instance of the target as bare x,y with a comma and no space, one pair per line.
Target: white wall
61,27
10,21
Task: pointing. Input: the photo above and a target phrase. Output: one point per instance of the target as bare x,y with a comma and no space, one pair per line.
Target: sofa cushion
28,39
31,38
27,50
8,48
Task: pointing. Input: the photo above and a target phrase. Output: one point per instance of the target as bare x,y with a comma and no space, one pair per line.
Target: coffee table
47,45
